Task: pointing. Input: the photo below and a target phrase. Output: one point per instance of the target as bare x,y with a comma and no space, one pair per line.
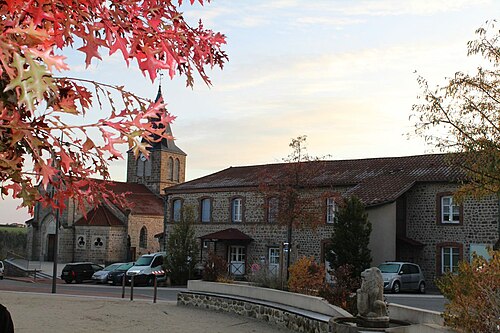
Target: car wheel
78,280
68,281
396,287
1,277
421,288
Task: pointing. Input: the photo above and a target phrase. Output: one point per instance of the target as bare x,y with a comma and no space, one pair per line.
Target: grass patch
13,229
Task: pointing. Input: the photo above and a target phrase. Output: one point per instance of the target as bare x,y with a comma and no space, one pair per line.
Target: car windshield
144,261
125,267
111,267
389,268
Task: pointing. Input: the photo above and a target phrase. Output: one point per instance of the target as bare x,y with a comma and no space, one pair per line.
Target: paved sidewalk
58,313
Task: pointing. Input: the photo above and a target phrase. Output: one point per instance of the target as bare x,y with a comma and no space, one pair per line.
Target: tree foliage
474,295
182,248
464,116
350,238
306,276
35,104
290,185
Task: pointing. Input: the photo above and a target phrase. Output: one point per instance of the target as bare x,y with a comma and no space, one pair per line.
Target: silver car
102,275
400,276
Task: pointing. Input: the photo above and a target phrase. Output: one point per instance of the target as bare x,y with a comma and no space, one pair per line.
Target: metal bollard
155,290
132,288
123,284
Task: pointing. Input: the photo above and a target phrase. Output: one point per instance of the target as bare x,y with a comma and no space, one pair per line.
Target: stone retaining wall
292,321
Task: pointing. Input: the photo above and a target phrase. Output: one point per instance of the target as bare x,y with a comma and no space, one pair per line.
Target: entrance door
51,242
237,260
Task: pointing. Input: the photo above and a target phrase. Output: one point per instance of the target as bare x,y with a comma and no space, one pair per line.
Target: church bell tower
166,165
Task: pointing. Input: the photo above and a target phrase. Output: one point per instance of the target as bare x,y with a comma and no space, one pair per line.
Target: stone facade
153,225
274,315
479,225
405,229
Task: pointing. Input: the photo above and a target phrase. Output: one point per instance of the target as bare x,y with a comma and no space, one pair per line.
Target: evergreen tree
350,237
182,248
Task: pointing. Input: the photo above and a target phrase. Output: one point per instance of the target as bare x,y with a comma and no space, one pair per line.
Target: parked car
116,276
102,275
1,270
400,276
79,271
145,269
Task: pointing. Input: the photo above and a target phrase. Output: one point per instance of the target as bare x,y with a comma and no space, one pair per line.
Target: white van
145,269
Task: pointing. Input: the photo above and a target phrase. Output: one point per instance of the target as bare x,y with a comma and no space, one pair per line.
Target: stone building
409,201
109,233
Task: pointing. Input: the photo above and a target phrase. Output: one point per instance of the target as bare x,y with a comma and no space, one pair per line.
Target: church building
109,233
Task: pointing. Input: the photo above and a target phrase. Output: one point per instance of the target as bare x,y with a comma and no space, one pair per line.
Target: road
91,289
427,301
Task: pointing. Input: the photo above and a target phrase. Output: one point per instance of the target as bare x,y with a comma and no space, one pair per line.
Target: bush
306,276
343,292
215,269
474,295
263,277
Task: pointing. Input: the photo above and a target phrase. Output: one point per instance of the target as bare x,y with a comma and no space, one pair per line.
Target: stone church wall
153,224
102,245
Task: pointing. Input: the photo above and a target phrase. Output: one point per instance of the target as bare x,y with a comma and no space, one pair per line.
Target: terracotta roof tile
100,216
374,180
143,201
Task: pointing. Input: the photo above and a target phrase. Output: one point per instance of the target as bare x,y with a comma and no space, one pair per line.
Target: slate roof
100,216
144,202
374,180
166,144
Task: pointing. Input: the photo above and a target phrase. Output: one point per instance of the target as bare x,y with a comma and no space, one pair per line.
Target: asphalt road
426,301
91,289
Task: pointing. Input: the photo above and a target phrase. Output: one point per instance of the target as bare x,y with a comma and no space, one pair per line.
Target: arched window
170,168
176,210
272,210
176,170
237,210
206,209
143,238
148,166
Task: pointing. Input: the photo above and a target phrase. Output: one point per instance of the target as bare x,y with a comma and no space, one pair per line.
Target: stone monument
372,310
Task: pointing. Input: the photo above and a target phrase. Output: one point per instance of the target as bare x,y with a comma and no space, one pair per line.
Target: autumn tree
287,189
474,295
463,116
42,114
350,238
182,248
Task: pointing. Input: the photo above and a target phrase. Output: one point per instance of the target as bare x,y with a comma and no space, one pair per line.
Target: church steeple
166,165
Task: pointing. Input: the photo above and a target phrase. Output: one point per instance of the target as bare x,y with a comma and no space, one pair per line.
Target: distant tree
464,116
182,249
350,238
288,185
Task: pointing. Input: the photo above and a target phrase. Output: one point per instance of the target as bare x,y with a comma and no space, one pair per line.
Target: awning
409,241
230,234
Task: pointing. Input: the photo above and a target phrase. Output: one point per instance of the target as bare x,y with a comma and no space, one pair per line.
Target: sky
342,72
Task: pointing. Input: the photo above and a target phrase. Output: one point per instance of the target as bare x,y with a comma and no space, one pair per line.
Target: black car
79,271
116,277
